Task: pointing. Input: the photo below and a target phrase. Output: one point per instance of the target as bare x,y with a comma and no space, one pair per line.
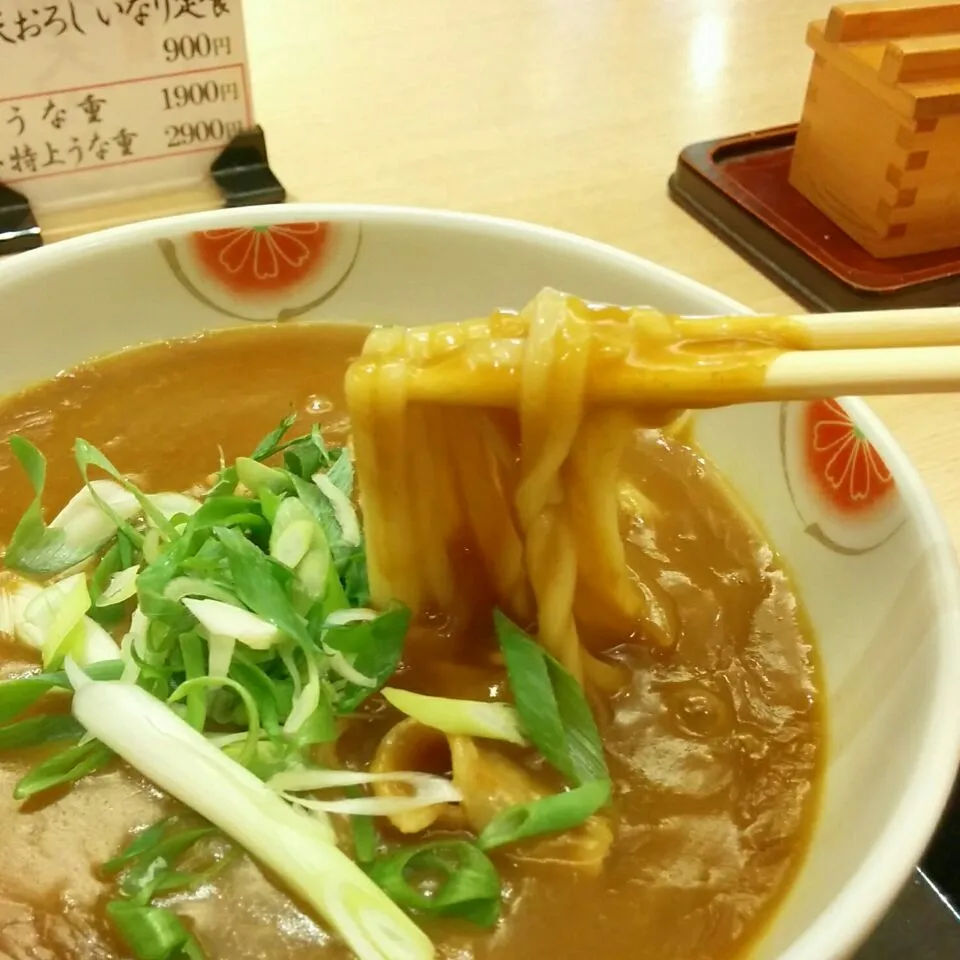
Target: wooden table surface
565,112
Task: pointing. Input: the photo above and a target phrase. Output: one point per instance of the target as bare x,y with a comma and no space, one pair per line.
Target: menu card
106,101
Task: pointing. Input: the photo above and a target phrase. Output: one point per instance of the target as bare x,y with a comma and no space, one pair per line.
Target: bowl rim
851,915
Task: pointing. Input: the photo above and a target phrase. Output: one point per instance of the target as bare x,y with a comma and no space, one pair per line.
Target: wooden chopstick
877,371
939,326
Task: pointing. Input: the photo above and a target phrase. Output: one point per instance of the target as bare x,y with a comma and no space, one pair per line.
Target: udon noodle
471,502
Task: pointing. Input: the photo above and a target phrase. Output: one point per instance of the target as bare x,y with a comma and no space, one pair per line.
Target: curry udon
623,759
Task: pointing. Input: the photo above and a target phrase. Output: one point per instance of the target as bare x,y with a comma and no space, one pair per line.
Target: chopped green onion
299,849
52,615
313,574
225,620
89,643
459,718
121,586
194,666
552,707
181,587
110,563
220,654
148,871
151,545
256,581
174,505
37,730
366,840
295,531
256,476
272,442
88,456
320,506
141,844
54,622
344,668
352,569
341,473
458,880
343,509
553,814
152,933
289,545
307,700
268,695
304,456
68,766
132,646
340,618
95,514
19,693
36,548
374,648
199,684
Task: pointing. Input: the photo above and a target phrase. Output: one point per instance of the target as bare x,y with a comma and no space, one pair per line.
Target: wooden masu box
878,148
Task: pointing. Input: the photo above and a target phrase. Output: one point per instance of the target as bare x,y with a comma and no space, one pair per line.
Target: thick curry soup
712,743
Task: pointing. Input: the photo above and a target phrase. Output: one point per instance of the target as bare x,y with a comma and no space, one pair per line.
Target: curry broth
713,746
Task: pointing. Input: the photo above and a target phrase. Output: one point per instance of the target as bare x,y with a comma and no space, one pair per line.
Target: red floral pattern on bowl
838,482
843,464
262,259
272,271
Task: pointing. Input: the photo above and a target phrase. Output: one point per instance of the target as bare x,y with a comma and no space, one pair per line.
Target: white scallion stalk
459,718
290,538
340,618
256,476
426,789
152,542
221,740
289,661
180,587
307,700
131,669
298,849
293,543
171,504
15,595
342,508
221,654
375,806
312,572
92,644
226,620
51,616
86,639
84,522
134,641
121,586
341,665
297,540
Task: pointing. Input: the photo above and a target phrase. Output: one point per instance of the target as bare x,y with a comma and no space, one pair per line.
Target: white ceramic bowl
869,552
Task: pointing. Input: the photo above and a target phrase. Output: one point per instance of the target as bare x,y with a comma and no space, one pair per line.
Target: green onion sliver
459,718
468,888
554,814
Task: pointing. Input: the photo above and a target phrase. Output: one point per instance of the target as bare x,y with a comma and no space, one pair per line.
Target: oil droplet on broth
317,404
